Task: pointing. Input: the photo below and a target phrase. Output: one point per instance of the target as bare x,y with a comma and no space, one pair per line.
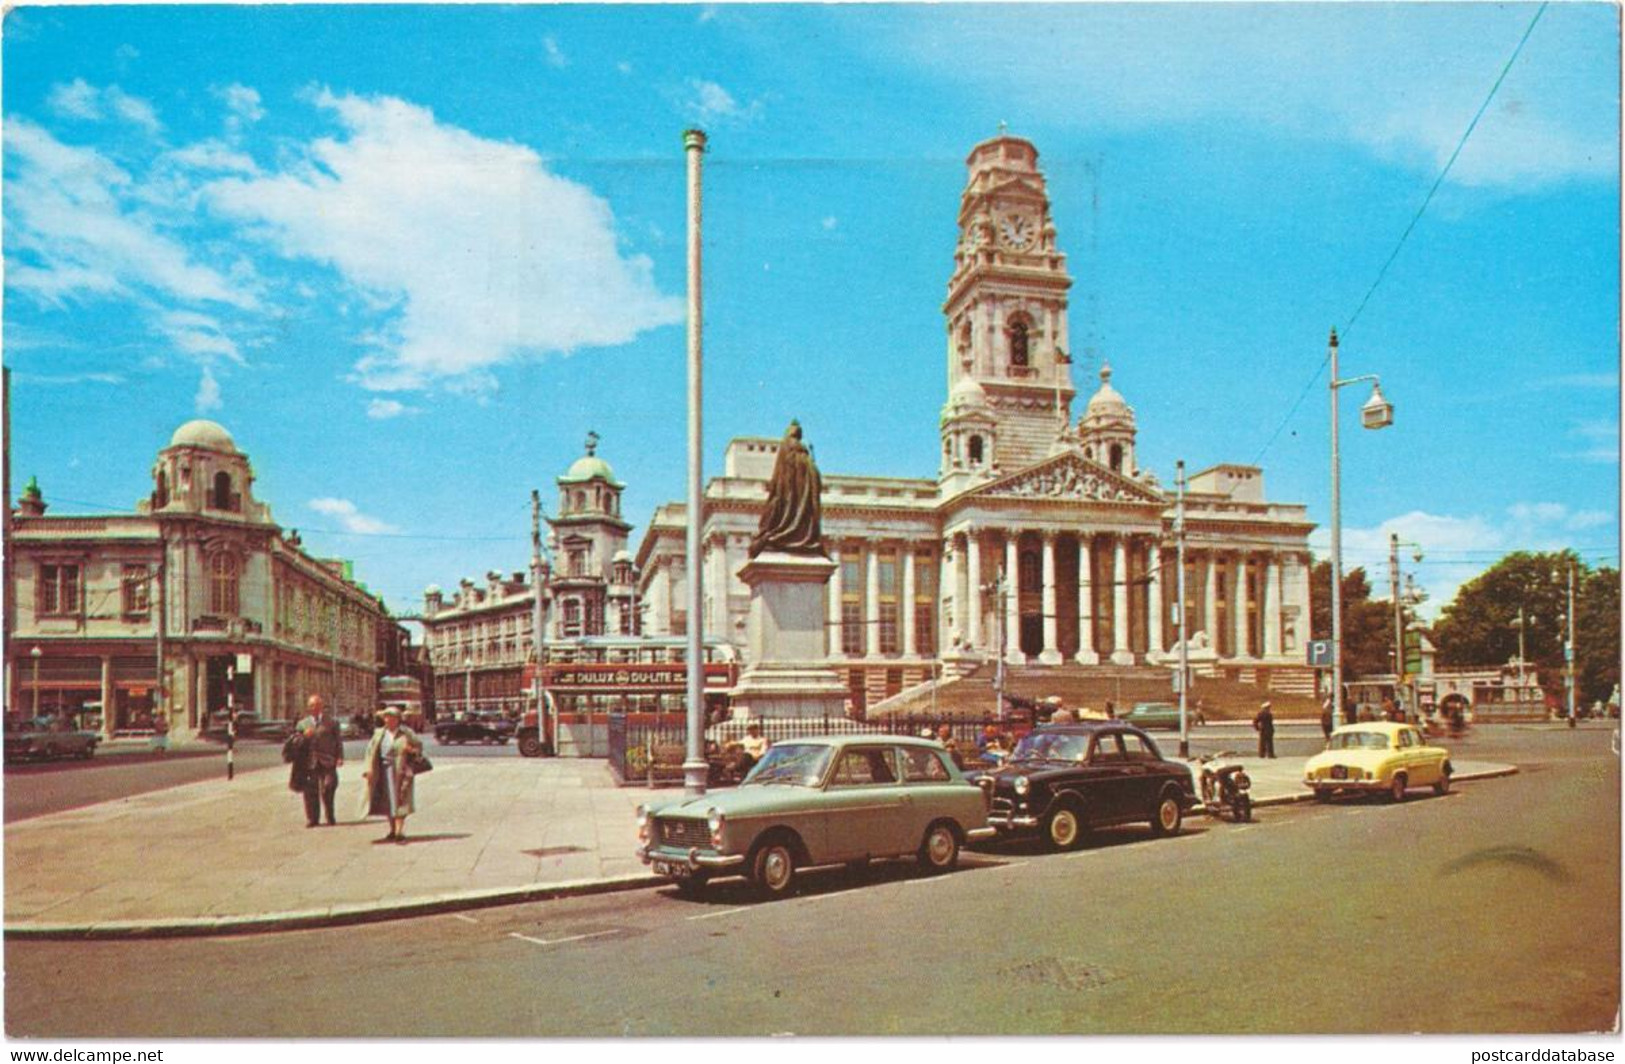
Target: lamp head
1377,412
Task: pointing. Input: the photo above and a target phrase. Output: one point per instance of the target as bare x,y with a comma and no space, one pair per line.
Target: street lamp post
1407,706
1184,649
36,654
1568,654
1375,413
1000,586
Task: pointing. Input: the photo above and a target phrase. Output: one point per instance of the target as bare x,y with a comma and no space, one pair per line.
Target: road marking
724,912
558,941
819,897
464,919
1016,864
922,882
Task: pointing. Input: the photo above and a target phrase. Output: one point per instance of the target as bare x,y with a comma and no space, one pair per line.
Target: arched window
223,584
976,450
220,498
572,617
1018,343
580,500
160,498
947,450
1117,458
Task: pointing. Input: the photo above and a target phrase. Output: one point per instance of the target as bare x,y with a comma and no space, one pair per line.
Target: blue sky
410,256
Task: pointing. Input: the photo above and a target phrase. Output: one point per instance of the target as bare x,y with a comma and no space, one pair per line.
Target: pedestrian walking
1264,724
1326,718
321,753
160,732
391,791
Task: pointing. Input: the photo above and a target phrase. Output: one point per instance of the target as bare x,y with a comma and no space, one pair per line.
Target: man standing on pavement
323,753
1326,718
1265,725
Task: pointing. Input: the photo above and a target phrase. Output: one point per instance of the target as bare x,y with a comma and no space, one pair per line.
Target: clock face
1018,231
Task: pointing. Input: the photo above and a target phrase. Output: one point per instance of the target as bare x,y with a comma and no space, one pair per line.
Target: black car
474,728
1063,779
45,738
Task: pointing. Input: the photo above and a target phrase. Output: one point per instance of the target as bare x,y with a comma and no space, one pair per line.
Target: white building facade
1040,539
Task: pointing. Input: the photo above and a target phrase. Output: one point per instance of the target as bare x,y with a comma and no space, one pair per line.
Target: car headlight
645,820
713,820
1023,785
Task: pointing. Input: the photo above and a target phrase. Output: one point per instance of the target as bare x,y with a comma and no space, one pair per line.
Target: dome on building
1107,404
432,589
623,556
589,466
967,394
209,435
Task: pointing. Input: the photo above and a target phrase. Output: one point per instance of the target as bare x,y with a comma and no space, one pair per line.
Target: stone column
1051,654
871,599
905,605
1012,599
1210,601
1154,614
1272,607
1121,654
973,590
107,697
1304,566
835,593
1086,606
1240,599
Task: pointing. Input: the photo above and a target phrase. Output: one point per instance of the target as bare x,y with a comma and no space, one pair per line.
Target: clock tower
1009,380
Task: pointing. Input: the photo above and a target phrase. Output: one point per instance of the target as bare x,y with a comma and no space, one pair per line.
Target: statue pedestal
787,675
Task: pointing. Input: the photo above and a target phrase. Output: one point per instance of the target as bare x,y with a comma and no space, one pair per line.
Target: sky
411,256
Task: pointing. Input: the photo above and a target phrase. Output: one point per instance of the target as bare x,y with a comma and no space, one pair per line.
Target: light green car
819,801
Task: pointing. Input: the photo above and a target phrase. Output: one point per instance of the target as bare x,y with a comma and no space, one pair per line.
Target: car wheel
530,746
1063,828
1396,790
774,869
1443,786
1323,795
693,886
441,739
1244,808
939,852
1166,817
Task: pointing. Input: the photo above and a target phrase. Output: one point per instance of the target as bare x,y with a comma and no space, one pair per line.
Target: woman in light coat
391,790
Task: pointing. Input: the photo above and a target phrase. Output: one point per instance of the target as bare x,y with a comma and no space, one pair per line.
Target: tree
1480,626
1368,627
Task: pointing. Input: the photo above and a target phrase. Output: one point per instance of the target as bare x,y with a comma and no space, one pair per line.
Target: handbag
419,764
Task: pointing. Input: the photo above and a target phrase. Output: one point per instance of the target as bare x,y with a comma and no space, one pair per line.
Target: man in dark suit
323,753
1264,724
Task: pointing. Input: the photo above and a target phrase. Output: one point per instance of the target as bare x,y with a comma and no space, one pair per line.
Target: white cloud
383,409
214,156
243,103
76,99
707,102
352,519
1599,441
76,229
553,54
476,252
1457,549
208,392
197,336
79,99
1408,79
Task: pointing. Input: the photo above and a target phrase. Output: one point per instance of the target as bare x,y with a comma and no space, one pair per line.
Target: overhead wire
1404,236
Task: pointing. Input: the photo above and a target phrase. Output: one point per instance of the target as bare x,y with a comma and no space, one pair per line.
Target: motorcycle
1225,787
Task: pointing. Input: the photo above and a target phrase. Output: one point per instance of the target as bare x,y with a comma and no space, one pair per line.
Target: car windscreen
1051,746
1359,741
799,764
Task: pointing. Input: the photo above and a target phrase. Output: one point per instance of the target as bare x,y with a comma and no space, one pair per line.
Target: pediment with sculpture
1071,477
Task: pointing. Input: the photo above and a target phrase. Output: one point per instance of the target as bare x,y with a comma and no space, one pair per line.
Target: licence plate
1340,772
668,868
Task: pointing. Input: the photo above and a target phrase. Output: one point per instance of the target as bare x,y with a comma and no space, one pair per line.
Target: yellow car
1377,757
